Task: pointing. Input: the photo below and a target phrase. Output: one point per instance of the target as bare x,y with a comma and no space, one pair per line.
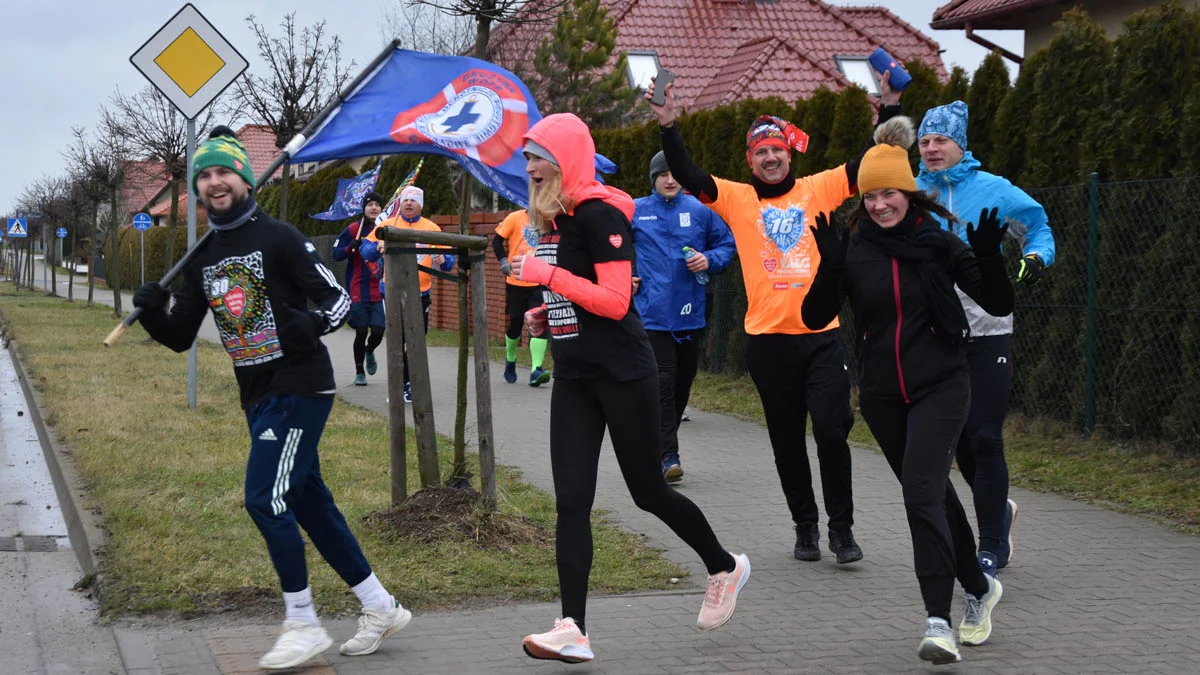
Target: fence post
1089,413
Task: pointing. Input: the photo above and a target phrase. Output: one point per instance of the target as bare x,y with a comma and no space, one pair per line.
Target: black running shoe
807,538
842,543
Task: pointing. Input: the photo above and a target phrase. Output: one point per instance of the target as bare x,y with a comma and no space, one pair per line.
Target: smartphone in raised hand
661,81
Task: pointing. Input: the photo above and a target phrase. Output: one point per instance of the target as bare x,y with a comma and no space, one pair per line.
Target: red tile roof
984,14
725,50
144,180
260,143
163,208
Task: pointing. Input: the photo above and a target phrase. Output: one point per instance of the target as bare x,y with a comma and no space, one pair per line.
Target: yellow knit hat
886,166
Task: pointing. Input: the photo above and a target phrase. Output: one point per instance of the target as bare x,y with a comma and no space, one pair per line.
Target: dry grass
168,482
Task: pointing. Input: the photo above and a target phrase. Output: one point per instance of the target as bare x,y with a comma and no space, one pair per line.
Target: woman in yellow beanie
899,269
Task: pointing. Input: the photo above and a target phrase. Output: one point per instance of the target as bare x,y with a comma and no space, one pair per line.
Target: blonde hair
547,201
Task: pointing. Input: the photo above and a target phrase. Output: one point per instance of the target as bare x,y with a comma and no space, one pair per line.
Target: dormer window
858,70
643,65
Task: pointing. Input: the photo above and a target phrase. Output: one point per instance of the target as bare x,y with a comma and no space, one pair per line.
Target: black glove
986,239
298,330
151,297
1031,269
353,245
831,243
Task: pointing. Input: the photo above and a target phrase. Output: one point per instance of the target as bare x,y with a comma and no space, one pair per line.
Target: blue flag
350,193
469,110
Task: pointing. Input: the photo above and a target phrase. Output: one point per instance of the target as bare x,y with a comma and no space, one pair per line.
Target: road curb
83,531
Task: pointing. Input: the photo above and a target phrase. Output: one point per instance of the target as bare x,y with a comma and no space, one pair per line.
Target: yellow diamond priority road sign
189,61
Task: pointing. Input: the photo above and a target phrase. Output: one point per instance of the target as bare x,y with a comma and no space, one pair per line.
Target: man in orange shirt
798,372
516,236
412,200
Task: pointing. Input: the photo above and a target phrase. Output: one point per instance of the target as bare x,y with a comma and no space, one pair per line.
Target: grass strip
167,481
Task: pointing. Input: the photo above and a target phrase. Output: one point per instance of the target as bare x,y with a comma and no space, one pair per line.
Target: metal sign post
191,63
142,223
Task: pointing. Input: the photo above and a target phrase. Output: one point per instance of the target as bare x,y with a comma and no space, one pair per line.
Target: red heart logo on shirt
615,240
770,264
235,301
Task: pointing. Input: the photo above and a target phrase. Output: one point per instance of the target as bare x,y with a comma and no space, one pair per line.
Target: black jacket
258,279
901,355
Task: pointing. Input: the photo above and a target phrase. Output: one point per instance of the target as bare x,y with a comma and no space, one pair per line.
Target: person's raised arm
685,171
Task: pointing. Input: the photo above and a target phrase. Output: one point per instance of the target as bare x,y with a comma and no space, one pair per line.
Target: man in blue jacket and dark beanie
954,177
679,242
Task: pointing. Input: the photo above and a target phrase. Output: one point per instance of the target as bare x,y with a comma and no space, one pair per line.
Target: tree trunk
114,245
169,248
95,254
71,268
283,190
459,466
53,258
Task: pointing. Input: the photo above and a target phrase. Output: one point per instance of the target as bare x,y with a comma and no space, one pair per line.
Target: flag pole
293,146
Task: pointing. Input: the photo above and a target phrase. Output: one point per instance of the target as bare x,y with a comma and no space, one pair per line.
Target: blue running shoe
408,392
538,377
370,362
510,371
672,469
987,563
360,380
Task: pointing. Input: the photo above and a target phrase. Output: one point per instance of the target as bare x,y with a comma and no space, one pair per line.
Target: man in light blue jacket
679,241
953,175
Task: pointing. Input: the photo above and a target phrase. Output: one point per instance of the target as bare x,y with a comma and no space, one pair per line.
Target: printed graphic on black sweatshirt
237,293
560,313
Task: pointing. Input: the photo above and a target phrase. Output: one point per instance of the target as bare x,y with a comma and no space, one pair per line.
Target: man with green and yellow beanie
258,275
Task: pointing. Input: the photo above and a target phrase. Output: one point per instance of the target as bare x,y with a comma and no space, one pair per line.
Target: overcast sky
64,58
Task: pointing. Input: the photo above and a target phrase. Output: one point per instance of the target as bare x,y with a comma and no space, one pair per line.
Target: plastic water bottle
701,277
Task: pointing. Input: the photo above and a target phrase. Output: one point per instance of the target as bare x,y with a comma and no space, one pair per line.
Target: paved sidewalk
1089,591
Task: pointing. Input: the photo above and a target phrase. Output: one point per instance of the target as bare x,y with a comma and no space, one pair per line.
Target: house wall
1110,14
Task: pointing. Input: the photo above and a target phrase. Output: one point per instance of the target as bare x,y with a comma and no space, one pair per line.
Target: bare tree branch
306,72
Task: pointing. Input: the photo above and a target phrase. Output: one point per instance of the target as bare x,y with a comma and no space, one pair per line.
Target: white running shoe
565,642
375,626
937,647
297,643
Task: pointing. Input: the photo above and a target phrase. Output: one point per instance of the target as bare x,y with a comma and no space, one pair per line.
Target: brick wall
444,311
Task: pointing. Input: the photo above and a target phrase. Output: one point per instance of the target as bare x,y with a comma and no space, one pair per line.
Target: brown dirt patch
443,514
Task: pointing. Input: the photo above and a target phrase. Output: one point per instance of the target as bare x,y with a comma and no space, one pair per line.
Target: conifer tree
989,86
572,67
958,87
1010,133
851,126
818,124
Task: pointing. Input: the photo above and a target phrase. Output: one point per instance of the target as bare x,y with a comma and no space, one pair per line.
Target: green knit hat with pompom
222,149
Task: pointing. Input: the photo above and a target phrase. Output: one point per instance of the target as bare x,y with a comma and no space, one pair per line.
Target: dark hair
924,203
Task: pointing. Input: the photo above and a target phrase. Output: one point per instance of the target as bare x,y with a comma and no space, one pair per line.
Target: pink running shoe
721,597
564,643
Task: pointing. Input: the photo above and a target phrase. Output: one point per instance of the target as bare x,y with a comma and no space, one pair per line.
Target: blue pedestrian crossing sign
17,227
141,221
61,232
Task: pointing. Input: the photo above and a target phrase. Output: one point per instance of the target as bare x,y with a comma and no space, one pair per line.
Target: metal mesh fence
1109,340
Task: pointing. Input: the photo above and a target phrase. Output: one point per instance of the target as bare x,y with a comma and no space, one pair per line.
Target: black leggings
678,356
980,450
798,376
579,412
918,441
517,300
364,344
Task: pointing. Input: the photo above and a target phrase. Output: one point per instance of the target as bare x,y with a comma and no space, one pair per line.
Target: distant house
1035,17
144,180
729,50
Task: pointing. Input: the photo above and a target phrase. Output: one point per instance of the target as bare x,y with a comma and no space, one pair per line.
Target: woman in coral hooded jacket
605,376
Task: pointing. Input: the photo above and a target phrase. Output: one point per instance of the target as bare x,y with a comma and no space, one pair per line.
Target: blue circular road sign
61,232
142,221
